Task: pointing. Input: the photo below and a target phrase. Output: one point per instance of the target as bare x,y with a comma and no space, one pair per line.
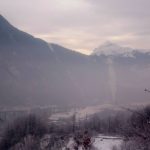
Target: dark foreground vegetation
137,130
33,133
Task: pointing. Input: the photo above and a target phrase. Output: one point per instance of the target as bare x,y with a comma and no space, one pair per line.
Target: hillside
34,72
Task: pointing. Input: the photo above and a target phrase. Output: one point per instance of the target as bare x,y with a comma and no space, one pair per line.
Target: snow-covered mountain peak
111,49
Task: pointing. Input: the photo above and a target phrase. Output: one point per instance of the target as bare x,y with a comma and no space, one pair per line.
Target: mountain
34,72
112,49
121,54
128,71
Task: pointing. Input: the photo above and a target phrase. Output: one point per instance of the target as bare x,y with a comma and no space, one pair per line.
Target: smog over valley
74,75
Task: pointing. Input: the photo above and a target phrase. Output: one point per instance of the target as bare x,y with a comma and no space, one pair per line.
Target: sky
82,25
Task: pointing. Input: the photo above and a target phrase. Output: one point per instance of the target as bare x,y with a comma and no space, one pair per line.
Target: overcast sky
82,24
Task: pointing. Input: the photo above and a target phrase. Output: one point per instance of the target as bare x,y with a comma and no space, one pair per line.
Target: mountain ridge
34,72
111,49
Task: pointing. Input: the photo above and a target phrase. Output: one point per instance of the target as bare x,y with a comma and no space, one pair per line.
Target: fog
74,74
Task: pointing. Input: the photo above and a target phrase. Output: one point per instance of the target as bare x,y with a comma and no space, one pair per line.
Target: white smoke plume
112,79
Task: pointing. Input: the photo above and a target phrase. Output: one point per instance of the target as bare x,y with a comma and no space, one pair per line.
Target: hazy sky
82,24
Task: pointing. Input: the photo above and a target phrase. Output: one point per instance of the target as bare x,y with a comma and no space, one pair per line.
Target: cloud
82,24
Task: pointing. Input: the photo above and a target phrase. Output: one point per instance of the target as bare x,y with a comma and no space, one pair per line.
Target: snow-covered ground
106,142
101,142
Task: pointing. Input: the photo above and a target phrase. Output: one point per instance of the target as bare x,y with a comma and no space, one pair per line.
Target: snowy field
101,142
106,142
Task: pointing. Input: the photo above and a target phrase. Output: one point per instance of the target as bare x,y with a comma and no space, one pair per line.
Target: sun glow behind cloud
121,37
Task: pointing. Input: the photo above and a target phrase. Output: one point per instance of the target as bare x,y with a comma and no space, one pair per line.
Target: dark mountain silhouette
33,72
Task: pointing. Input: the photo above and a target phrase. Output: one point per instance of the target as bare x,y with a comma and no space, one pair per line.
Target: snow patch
107,142
111,49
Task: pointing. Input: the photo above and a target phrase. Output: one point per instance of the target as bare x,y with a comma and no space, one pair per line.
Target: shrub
21,128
